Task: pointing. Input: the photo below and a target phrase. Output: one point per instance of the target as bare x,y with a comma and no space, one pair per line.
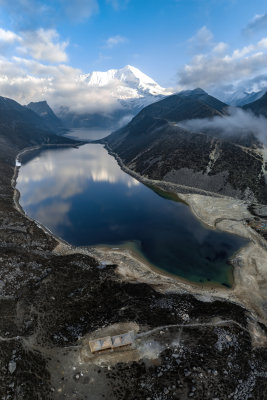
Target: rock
12,366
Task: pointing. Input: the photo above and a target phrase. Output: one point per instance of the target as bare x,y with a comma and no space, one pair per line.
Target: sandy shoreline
216,212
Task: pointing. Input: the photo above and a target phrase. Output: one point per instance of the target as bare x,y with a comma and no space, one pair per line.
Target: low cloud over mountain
237,123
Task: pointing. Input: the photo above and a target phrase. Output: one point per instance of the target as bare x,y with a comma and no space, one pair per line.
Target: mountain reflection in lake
84,197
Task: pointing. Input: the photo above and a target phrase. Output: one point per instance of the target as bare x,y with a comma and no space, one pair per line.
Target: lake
83,196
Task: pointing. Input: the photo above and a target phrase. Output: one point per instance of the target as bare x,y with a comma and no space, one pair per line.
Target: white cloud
263,43
202,40
114,41
259,22
240,53
220,47
80,10
44,45
70,180
28,80
8,36
211,69
238,122
118,4
27,14
54,215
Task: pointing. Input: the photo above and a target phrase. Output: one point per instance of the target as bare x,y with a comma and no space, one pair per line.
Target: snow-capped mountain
131,90
241,97
129,82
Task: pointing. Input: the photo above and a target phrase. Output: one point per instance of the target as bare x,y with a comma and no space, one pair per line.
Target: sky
219,45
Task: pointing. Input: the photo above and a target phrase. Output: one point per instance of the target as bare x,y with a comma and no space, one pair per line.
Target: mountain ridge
131,76
47,114
155,146
259,107
241,97
21,127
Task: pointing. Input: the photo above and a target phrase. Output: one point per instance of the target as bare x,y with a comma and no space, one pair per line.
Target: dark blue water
84,197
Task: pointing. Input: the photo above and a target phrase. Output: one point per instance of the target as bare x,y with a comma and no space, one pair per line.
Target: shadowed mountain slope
259,107
21,127
47,114
153,145
185,105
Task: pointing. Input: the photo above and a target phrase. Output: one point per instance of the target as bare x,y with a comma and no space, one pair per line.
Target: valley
56,295
133,200
96,203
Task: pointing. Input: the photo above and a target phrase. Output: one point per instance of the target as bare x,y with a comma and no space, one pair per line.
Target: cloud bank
209,70
43,45
8,36
26,14
61,85
38,71
238,123
221,69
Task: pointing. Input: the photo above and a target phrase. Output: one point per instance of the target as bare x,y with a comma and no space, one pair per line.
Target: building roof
100,344
109,342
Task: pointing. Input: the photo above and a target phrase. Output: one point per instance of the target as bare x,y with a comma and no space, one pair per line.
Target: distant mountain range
156,142
131,91
240,98
154,145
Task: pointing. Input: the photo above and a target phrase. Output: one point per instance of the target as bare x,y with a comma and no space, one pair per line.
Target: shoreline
228,215
16,192
130,248
105,249
136,270
161,185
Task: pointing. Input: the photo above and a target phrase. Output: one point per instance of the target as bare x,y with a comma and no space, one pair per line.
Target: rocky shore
232,216
196,342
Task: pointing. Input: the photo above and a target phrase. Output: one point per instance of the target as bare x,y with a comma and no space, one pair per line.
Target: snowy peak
132,75
124,91
129,77
241,97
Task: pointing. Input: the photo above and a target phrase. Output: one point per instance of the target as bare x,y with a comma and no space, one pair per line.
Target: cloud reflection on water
84,197
54,214
59,178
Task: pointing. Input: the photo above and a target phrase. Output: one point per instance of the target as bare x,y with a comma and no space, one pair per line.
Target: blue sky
179,43
157,33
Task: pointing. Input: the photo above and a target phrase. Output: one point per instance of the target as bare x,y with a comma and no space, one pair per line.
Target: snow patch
126,83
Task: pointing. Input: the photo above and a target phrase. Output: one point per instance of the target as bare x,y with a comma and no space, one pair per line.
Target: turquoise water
84,197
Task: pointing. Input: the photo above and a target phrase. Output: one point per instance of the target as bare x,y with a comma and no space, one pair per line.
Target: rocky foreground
51,304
